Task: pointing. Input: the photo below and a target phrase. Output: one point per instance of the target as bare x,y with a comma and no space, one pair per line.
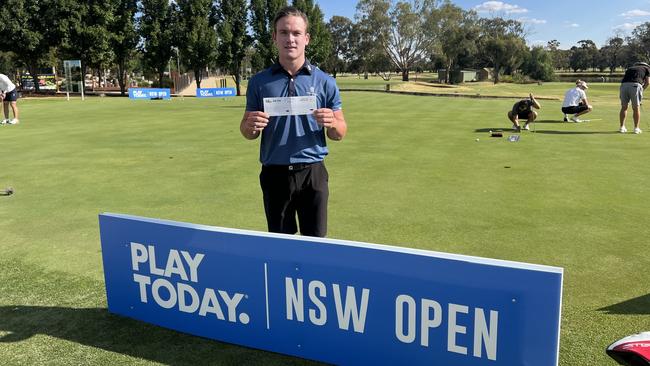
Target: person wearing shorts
575,102
9,97
523,109
635,81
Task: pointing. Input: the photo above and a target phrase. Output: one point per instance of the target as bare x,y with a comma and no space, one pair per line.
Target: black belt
292,167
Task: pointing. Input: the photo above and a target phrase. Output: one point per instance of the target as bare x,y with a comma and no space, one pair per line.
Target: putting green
410,173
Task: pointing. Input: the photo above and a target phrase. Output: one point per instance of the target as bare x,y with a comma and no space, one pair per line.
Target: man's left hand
325,117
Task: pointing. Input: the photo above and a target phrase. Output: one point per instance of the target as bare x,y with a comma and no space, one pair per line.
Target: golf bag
632,350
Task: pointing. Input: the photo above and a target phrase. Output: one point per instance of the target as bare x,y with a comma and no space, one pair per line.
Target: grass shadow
96,327
636,306
550,132
494,129
554,132
549,121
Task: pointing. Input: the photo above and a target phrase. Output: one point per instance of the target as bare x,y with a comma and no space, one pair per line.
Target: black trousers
300,189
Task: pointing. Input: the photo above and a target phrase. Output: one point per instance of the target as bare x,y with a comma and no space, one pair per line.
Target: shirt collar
306,68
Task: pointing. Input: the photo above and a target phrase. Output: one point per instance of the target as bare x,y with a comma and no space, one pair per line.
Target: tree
583,56
458,35
578,59
32,30
262,15
340,29
88,38
639,43
157,29
612,53
7,63
124,39
539,64
198,39
560,57
405,30
233,39
503,45
591,51
365,37
320,44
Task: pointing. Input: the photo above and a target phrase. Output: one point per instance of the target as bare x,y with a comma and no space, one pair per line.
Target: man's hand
333,121
253,123
325,117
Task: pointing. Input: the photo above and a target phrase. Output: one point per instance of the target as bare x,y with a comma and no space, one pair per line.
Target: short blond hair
289,11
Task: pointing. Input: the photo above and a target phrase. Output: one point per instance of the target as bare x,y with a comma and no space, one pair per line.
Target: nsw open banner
340,302
149,93
215,92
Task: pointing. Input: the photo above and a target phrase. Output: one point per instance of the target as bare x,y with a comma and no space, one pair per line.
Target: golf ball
476,140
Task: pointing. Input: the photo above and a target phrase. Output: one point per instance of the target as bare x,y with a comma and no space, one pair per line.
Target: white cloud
574,25
498,6
626,27
532,21
636,13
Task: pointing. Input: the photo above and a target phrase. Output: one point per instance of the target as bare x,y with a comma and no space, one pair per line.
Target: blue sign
149,93
215,92
340,302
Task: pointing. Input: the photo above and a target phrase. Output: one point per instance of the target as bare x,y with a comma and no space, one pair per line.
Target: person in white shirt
9,96
575,102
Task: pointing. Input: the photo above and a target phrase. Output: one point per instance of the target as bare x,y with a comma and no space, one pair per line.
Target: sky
567,21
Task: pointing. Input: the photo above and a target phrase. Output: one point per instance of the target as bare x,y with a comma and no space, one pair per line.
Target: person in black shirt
636,79
523,109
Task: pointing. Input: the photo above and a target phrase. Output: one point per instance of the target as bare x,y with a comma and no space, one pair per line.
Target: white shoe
622,129
576,119
526,127
516,128
637,130
4,122
13,121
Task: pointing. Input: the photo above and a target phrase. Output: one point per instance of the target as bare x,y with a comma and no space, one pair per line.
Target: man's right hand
253,123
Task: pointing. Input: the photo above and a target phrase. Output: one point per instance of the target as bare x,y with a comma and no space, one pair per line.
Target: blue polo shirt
292,139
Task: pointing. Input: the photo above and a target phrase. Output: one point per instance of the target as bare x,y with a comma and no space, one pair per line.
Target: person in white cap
575,102
635,80
9,96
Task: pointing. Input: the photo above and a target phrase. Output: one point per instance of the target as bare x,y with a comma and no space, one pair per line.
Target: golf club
7,191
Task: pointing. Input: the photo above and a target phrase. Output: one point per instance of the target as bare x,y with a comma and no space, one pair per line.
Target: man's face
291,37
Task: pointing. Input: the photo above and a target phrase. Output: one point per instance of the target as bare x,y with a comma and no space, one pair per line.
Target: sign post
73,76
340,302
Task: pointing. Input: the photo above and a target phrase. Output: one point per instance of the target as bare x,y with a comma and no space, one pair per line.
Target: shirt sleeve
333,97
252,96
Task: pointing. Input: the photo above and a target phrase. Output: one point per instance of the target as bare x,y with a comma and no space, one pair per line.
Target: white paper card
290,106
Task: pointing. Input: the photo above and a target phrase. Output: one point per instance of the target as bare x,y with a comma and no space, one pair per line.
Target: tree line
384,37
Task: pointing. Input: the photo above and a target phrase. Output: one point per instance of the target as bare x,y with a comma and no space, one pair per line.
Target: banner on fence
215,92
149,93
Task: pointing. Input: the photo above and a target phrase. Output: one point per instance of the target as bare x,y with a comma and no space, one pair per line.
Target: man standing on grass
635,80
523,109
293,178
9,96
575,102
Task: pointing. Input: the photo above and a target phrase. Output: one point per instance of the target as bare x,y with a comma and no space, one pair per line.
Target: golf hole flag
335,301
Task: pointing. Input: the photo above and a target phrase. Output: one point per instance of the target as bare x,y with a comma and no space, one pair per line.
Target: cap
582,84
641,63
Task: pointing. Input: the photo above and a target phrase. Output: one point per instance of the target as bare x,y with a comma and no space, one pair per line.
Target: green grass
409,173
